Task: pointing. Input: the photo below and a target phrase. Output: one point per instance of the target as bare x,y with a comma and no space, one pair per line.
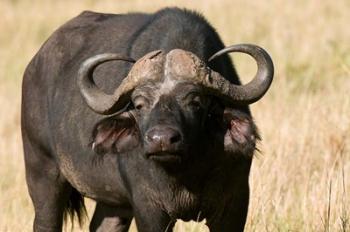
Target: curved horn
146,68
96,99
256,88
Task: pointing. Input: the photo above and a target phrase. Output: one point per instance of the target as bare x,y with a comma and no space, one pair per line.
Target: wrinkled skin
200,167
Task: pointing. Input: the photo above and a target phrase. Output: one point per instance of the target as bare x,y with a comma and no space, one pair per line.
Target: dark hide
71,152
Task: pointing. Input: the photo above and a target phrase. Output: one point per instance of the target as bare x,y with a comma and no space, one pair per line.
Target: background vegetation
300,181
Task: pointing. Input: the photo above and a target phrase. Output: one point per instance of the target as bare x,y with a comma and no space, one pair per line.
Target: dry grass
301,179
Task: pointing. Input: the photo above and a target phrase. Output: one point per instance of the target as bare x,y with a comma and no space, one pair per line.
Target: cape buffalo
145,114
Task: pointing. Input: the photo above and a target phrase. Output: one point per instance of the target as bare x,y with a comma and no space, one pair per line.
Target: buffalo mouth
166,157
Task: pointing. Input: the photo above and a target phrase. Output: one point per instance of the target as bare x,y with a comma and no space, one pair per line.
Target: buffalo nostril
176,137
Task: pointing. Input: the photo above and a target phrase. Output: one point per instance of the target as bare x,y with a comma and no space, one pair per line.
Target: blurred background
300,179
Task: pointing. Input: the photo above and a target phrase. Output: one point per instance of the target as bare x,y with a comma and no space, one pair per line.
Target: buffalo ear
241,133
115,134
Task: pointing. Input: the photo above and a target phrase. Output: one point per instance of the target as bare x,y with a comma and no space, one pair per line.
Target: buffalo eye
139,106
140,102
195,101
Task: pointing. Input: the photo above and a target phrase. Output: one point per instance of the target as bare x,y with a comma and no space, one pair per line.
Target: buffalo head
174,105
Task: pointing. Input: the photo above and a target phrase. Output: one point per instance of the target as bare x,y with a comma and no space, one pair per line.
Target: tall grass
300,181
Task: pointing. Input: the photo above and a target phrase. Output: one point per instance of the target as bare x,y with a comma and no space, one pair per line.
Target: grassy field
300,181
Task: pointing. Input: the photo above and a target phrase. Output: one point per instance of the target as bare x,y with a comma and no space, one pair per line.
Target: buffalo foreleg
150,218
108,218
234,213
